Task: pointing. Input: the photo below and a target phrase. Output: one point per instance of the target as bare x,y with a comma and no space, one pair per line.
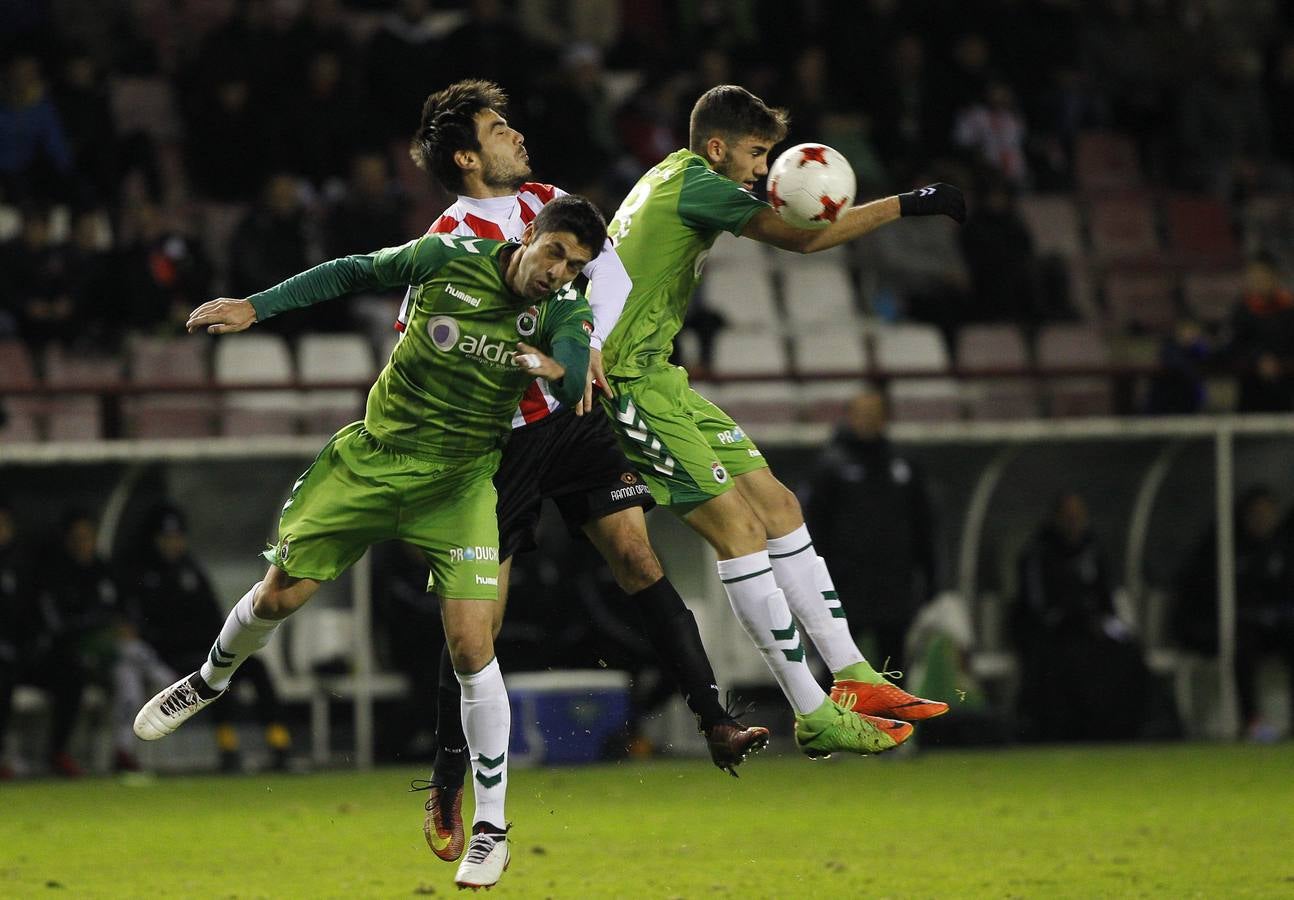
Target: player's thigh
451,519
621,538
343,503
656,421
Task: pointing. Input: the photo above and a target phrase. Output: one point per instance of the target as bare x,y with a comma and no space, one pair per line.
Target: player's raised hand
597,379
537,363
223,316
934,200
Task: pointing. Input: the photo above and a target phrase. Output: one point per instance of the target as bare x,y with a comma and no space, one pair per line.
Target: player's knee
470,648
278,598
742,535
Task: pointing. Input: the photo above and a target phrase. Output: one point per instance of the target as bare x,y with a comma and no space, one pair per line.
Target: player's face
548,261
504,160
745,161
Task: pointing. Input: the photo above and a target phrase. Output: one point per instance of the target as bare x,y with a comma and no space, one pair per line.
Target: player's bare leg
248,628
621,538
469,634
803,577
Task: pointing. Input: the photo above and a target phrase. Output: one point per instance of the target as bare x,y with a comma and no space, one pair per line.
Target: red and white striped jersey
504,219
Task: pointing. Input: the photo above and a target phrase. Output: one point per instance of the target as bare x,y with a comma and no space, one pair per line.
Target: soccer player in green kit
696,459
419,467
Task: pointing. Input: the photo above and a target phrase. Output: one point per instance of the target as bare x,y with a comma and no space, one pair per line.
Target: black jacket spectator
1262,340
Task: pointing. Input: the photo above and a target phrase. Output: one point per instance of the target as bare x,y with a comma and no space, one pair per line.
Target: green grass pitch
1149,821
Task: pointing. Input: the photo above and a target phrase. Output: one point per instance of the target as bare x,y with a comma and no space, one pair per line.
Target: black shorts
573,461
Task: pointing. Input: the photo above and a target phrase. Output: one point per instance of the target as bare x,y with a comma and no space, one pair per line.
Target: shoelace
481,846
184,697
418,785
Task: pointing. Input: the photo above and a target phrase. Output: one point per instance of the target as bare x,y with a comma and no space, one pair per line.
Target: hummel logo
462,295
925,191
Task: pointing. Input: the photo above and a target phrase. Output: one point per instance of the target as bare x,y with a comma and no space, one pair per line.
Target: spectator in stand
37,286
371,212
868,506
1264,560
909,125
1223,128
170,601
230,136
1262,339
91,283
1179,387
998,249
993,130
82,100
400,56
1075,651
17,628
35,162
491,45
323,134
575,102
162,273
272,243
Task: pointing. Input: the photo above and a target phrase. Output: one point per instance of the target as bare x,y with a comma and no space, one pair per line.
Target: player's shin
762,610
671,628
487,721
451,744
243,634
803,577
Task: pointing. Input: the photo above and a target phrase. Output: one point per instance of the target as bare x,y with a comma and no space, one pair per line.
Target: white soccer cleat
171,708
486,860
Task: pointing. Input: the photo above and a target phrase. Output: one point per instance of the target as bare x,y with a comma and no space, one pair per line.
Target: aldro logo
474,554
446,335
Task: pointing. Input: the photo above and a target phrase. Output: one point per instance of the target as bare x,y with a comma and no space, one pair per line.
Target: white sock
243,634
487,722
803,577
761,609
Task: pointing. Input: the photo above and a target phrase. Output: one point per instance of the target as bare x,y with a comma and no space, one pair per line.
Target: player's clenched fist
538,363
934,200
223,316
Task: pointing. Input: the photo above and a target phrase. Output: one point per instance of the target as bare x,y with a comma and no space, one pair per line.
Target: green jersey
450,388
663,232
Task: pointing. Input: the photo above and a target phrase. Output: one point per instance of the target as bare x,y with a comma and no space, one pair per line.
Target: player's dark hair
449,125
577,216
732,113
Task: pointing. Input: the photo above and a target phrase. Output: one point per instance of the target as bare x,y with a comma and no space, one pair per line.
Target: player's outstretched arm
933,200
222,316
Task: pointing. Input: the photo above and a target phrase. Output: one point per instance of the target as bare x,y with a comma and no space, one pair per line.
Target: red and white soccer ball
811,185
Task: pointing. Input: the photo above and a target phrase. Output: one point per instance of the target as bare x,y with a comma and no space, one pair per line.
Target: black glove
934,200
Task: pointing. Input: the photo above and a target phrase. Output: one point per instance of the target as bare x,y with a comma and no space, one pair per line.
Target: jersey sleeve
609,286
711,202
565,328
418,260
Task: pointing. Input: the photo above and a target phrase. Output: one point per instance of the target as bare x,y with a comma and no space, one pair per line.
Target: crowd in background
288,121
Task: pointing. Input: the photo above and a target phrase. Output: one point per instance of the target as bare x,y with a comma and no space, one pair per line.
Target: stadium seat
761,402
744,297
925,400
818,294
169,362
737,253
256,359
216,225
1268,221
21,414
996,348
75,417
1067,346
1123,229
1210,296
738,353
1053,222
333,357
830,352
825,401
1200,231
10,222
908,347
1104,161
1140,300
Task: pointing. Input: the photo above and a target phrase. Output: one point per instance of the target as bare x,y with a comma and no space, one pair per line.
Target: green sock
820,718
860,671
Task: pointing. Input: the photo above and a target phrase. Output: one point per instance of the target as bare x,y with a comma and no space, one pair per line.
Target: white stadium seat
333,357
253,359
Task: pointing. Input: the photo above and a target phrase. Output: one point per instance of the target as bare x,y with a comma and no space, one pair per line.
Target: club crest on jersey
720,473
528,321
285,547
443,332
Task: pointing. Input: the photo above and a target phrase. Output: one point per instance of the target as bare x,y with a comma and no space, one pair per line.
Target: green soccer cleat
847,732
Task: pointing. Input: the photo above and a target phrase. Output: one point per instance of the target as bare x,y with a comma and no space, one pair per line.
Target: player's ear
528,234
716,149
467,160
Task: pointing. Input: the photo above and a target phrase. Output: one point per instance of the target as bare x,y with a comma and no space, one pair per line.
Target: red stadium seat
74,417
1054,224
1140,300
1065,346
161,361
1106,161
1200,231
982,348
1123,229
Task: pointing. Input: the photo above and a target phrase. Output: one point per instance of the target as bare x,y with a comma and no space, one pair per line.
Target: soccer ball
810,185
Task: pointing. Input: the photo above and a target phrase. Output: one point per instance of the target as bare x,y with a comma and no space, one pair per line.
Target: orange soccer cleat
885,700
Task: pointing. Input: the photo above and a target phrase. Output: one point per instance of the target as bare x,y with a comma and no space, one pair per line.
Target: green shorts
359,492
686,448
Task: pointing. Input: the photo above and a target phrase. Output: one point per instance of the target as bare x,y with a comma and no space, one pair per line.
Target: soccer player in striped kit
555,452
